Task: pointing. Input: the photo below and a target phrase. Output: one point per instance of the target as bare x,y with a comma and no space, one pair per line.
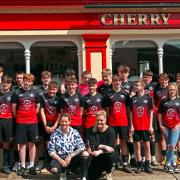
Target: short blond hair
101,113
106,72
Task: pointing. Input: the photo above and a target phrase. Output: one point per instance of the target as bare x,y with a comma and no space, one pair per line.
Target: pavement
117,175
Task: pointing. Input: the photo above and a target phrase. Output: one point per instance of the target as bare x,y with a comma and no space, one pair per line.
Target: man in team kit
25,106
92,104
50,110
117,104
6,121
141,125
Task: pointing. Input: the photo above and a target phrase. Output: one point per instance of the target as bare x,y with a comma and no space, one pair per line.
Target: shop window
12,58
138,55
171,58
53,56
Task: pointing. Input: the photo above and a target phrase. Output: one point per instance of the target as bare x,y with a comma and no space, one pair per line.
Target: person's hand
151,130
68,160
63,163
163,130
108,149
131,129
47,129
175,128
96,153
51,129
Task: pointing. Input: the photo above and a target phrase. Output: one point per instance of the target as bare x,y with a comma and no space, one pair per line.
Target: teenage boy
123,73
25,106
72,103
19,85
6,121
141,124
106,85
50,110
83,88
92,104
149,89
160,92
117,103
42,90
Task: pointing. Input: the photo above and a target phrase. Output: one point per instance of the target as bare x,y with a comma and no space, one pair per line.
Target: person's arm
37,108
131,123
43,116
13,106
151,122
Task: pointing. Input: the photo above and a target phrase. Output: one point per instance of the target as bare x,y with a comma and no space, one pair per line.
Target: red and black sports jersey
26,105
5,105
170,110
127,86
72,105
159,94
149,89
51,107
118,102
104,89
140,108
92,104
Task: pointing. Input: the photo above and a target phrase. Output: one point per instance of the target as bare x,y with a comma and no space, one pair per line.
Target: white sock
23,164
31,164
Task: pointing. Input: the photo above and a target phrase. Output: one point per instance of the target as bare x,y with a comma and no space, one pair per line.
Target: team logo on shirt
170,113
145,101
51,110
26,105
140,111
93,110
72,110
117,106
3,108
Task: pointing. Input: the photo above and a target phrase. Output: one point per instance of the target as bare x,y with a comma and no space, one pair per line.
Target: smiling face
52,91
27,83
45,80
100,121
172,91
147,79
71,87
64,123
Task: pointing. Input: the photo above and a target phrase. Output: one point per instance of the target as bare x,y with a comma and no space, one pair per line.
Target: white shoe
62,176
16,167
109,176
84,178
40,165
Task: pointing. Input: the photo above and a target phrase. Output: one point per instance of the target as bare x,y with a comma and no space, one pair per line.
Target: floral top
65,144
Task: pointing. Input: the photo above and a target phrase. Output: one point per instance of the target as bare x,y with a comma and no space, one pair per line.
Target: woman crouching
67,149
101,142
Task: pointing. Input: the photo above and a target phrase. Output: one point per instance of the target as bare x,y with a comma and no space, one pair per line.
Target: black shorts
122,131
6,130
26,133
45,135
141,136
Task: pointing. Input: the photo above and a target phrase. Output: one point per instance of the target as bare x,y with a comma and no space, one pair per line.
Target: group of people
83,125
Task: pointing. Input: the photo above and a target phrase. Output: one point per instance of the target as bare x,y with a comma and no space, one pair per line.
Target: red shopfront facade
99,29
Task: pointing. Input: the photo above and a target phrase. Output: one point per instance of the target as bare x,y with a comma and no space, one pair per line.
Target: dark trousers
103,162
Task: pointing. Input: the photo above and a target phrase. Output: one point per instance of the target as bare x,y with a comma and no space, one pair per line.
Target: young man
160,92
92,104
149,89
141,124
123,73
43,89
6,121
106,86
72,103
19,85
117,103
83,88
50,110
25,106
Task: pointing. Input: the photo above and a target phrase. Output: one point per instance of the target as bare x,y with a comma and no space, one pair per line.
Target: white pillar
79,55
160,59
110,58
27,55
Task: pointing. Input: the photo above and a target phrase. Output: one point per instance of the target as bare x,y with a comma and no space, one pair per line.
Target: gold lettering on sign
135,19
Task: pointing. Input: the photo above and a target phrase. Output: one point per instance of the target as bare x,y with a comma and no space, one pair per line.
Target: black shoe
168,169
32,171
133,162
21,171
117,164
127,169
138,170
148,169
6,170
